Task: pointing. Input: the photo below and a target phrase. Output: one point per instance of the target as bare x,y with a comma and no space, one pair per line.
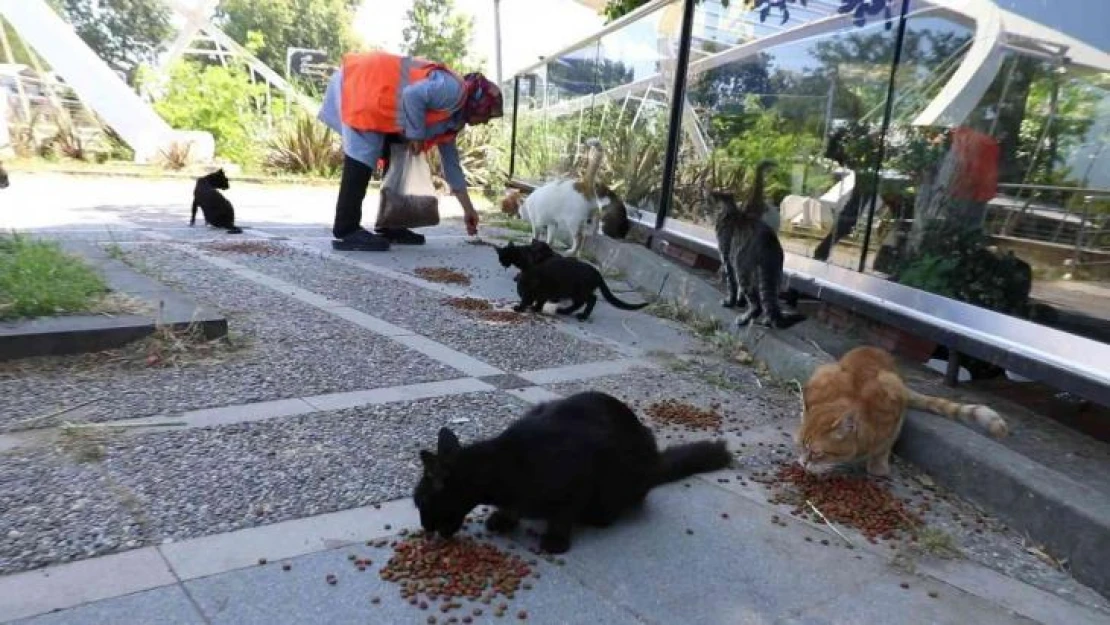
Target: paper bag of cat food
408,196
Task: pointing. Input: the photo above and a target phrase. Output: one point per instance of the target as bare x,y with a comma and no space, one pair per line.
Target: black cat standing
217,210
582,459
560,278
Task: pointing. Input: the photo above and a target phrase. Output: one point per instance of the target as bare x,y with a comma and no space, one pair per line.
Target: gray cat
751,255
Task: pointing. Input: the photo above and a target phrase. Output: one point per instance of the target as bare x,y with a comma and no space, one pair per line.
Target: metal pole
497,36
678,99
512,136
881,156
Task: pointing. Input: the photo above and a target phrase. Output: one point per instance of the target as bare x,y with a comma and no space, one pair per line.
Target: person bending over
377,98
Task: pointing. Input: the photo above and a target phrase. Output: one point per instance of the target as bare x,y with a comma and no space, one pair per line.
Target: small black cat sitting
216,208
582,459
3,177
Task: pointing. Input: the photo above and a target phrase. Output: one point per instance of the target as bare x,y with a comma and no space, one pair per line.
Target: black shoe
361,241
402,236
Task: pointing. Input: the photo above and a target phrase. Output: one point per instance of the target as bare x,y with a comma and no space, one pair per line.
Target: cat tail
681,461
193,219
612,299
971,414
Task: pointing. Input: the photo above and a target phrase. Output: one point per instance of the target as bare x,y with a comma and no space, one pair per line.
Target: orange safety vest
977,174
372,86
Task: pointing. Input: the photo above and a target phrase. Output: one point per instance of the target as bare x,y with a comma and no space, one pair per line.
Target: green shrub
304,146
218,99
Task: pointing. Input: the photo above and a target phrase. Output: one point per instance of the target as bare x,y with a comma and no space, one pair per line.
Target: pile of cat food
504,316
680,414
468,303
442,275
249,248
484,310
440,574
854,500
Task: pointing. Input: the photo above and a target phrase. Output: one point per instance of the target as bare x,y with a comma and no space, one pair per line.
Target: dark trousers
352,190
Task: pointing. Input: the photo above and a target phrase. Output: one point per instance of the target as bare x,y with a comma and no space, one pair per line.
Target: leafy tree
124,33
587,76
434,30
278,25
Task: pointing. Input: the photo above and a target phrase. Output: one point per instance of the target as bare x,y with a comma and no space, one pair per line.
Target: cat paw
728,303
555,543
878,467
745,318
501,522
520,308
785,321
581,316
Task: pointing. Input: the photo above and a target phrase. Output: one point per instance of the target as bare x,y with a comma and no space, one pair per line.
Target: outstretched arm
456,179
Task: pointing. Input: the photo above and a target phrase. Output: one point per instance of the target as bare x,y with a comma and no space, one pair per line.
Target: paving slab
168,605
35,592
267,595
889,603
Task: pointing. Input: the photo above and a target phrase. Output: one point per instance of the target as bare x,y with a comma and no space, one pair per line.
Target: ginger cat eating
853,410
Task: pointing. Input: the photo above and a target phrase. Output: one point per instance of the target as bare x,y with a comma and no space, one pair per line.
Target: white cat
566,205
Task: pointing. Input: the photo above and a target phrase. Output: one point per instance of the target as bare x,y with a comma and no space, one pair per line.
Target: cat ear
431,463
448,442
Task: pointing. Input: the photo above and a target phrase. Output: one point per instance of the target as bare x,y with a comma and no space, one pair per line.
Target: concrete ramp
100,88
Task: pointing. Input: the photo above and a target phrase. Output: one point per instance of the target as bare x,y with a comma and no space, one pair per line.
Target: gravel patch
513,347
291,350
742,404
52,510
157,487
212,480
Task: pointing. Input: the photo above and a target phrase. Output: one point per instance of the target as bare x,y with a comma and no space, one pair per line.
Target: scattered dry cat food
673,412
286,567
250,248
849,499
468,303
444,275
503,316
261,561
438,570
331,579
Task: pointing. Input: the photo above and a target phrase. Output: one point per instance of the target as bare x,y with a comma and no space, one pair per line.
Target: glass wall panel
616,89
778,84
999,143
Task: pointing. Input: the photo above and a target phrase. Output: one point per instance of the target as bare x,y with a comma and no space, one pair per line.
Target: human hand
470,217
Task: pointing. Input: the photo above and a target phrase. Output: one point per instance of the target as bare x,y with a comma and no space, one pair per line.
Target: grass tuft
38,279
